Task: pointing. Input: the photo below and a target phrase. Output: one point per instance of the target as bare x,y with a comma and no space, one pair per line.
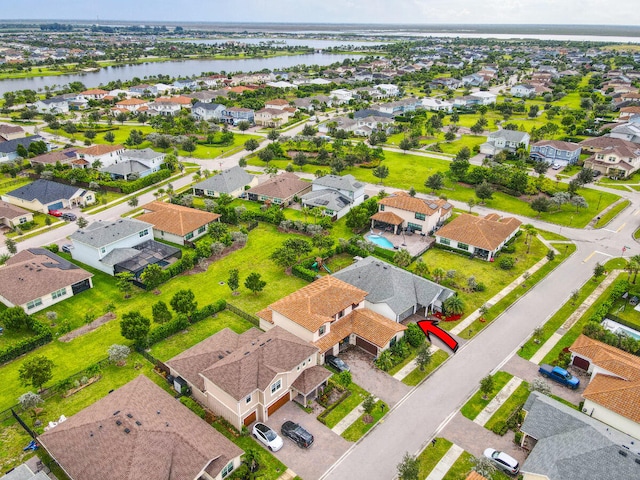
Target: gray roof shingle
11,145
346,182
330,199
100,234
226,182
45,191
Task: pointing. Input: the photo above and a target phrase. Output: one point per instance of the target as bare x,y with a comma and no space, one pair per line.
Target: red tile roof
486,233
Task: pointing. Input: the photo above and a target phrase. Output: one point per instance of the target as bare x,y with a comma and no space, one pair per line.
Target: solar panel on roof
433,206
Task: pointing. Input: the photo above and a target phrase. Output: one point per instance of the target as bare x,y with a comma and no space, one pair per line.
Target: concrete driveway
374,381
308,463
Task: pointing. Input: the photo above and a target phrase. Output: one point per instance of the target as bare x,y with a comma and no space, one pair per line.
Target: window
247,399
59,293
202,229
322,330
23,220
210,193
102,250
382,208
144,232
445,241
463,246
420,216
276,386
341,314
227,470
34,303
188,236
414,226
392,342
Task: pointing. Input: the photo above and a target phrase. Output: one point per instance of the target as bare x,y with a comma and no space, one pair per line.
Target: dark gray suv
296,433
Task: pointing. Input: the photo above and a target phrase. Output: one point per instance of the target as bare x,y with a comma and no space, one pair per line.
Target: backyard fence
241,313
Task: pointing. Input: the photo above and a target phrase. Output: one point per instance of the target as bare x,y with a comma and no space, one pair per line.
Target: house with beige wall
400,211
233,181
176,223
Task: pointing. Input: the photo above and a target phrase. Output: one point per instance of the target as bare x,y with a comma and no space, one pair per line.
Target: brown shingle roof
282,186
277,101
36,272
365,323
487,233
10,211
599,143
387,217
311,378
317,303
132,101
97,150
63,156
94,91
404,201
166,441
176,219
8,129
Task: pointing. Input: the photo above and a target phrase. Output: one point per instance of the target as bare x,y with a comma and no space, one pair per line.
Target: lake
184,68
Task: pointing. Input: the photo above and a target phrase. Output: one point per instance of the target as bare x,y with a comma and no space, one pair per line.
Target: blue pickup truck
559,375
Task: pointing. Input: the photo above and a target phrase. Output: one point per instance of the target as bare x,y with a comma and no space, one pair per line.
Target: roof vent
158,412
262,344
139,423
268,340
126,430
116,412
129,415
637,461
622,452
166,424
220,357
118,422
246,353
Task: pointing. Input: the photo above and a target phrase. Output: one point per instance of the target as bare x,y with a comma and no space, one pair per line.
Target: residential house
272,117
9,149
235,115
105,155
447,82
399,106
479,236
12,216
626,113
185,83
24,471
281,189
473,80
346,186
629,131
36,278
330,314
64,157
556,151
137,163
140,431
208,111
618,161
164,106
523,90
10,132
143,89
122,245
338,123
394,292
204,96
45,195
277,103
599,144
214,80
93,94
131,105
614,385
175,223
365,126
341,96
52,105
234,181
388,89
437,105
249,376
566,444
484,98
510,140
281,84
400,211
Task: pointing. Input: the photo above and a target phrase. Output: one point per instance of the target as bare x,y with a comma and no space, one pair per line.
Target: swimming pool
380,241
616,327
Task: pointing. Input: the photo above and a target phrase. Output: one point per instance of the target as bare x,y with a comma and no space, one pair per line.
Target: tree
135,327
152,276
541,167
540,204
484,466
36,371
435,182
273,135
423,356
598,271
251,144
405,144
298,246
160,312
30,401
454,305
344,378
284,257
243,126
402,258
109,137
579,202
184,301
124,284
135,138
12,246
459,167
121,117
584,176
133,202
255,283
471,203
484,191
82,222
308,130
368,405
266,155
421,268
118,354
381,172
408,468
15,318
486,386
539,385
233,281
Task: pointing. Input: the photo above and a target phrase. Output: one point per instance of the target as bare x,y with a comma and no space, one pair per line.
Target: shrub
194,406
414,335
506,263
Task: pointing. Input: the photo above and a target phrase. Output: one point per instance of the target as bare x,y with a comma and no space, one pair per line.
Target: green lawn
550,236
476,403
611,214
358,394
430,456
517,398
8,184
357,429
575,331
416,376
460,468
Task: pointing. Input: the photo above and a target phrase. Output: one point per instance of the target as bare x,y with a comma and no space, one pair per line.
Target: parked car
336,363
297,433
559,375
69,217
596,173
55,213
67,247
556,166
266,435
503,461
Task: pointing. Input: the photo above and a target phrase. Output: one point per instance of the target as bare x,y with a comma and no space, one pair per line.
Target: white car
503,461
267,436
556,166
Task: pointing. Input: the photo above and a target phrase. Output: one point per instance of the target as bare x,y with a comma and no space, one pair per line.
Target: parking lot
308,463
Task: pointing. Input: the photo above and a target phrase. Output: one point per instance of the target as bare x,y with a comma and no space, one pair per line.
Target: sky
594,12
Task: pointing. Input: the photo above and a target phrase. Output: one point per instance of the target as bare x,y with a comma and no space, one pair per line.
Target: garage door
56,206
250,419
366,346
278,403
581,363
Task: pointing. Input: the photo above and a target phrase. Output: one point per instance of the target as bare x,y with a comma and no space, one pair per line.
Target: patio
415,243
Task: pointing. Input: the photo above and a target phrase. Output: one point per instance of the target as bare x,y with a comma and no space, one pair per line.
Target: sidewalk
473,316
574,317
445,463
502,396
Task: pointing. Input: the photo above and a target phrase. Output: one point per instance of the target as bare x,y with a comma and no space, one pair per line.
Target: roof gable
487,233
176,219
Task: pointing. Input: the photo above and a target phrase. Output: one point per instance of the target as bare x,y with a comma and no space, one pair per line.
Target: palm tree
531,232
454,305
305,211
438,274
636,261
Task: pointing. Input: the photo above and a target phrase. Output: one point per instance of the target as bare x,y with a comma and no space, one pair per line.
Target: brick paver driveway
375,381
308,463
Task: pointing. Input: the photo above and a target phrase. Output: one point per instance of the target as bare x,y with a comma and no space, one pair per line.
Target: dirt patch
89,327
202,265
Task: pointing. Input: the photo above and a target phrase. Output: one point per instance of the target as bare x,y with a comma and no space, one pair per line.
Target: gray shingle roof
346,182
11,145
509,135
574,446
144,154
125,168
331,199
207,106
391,285
45,191
226,181
100,234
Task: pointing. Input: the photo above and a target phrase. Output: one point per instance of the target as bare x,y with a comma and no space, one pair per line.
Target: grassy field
611,214
518,397
416,376
476,403
357,429
358,394
430,456
461,467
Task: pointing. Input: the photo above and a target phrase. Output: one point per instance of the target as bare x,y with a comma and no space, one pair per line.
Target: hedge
42,337
130,187
603,309
304,273
194,406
